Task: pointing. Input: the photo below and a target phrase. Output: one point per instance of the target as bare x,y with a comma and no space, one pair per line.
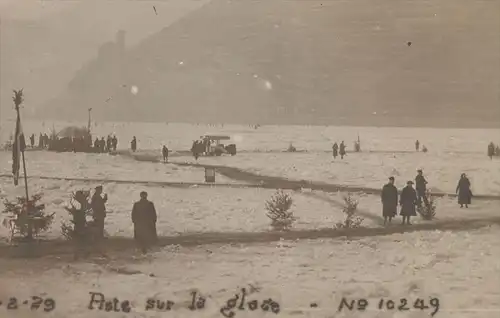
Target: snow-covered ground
196,209
102,166
225,209
458,268
205,209
372,170
277,138
386,152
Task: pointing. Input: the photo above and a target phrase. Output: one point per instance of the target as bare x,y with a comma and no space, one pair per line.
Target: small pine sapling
427,210
26,218
349,210
79,211
278,211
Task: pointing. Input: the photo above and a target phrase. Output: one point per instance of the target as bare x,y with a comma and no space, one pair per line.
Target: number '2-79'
404,305
49,304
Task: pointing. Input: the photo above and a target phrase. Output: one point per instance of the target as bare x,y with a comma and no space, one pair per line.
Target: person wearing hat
463,191
407,201
98,204
389,198
421,187
144,218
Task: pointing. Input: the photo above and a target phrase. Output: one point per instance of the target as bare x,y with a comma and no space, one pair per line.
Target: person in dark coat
335,149
389,198
342,150
96,145
32,140
133,144
164,152
421,187
40,141
417,145
102,145
98,205
206,145
80,236
491,150
464,191
114,142
407,201
109,144
195,150
45,140
144,218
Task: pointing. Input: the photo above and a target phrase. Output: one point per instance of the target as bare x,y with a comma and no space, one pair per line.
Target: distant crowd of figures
199,147
341,149
76,144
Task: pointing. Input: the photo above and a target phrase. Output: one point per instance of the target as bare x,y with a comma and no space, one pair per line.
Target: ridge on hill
303,62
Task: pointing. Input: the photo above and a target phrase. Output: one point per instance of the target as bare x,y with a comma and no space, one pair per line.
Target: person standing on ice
342,150
133,144
109,143
40,141
114,142
389,198
164,152
335,149
407,201
417,145
98,205
144,218
463,191
32,140
45,140
421,186
491,150
195,149
102,145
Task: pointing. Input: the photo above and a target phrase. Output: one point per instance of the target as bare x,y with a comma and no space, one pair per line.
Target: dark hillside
335,62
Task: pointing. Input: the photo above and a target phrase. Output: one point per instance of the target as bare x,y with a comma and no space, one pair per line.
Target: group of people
108,145
43,141
410,198
143,217
199,147
81,143
417,147
164,150
339,150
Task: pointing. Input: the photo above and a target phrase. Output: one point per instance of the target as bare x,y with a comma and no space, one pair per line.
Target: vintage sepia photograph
250,158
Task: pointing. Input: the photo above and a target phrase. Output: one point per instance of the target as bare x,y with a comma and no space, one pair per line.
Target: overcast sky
55,37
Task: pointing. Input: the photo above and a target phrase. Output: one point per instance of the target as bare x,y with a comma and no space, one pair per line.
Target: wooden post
90,122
